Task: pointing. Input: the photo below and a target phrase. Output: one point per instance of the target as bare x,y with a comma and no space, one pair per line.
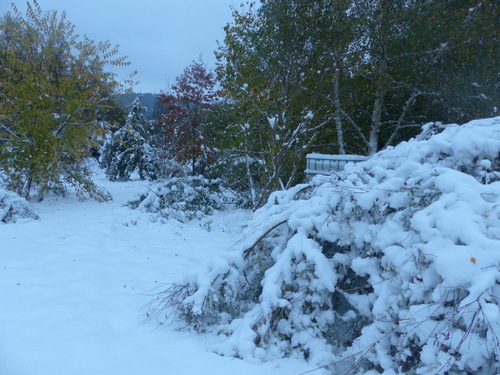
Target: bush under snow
12,207
181,198
391,267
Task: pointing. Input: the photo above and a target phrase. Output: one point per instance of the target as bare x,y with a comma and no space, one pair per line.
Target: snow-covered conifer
128,151
181,198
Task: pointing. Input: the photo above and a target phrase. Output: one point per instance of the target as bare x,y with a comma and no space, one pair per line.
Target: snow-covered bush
12,207
183,198
391,267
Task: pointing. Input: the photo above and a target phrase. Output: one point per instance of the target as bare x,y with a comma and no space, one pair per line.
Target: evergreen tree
54,93
128,149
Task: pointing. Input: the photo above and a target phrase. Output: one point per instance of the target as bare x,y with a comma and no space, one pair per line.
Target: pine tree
128,150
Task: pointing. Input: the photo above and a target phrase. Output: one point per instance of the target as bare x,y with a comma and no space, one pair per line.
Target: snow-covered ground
73,284
409,238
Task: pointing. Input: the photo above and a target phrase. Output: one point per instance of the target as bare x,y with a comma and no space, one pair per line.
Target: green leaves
376,70
265,67
54,92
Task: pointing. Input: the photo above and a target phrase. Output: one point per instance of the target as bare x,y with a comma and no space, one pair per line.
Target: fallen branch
246,252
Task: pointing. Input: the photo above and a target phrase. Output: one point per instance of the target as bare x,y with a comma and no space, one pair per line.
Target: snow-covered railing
326,164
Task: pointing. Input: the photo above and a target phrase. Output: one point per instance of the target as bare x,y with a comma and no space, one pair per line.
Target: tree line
355,76
342,76
293,77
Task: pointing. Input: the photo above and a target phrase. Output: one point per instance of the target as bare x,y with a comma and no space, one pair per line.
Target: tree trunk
378,104
338,118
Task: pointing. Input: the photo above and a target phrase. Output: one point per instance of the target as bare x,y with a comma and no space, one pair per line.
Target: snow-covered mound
391,267
12,207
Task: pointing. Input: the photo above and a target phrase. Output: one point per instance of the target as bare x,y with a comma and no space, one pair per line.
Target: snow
328,164
75,281
272,122
402,248
390,267
13,208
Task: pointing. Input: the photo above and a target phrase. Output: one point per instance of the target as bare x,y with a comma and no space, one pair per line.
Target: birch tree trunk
338,117
378,104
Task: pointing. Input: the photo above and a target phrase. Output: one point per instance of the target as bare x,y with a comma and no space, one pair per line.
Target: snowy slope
72,288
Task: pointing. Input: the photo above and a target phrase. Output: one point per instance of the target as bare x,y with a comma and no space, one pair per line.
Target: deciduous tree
183,116
373,69
54,92
265,65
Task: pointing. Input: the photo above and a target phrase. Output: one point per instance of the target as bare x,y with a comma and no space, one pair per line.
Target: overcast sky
160,37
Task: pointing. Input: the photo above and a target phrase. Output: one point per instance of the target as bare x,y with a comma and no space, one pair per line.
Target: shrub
243,175
183,198
390,267
12,207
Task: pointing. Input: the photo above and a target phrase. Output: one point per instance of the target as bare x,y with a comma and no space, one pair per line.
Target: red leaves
183,113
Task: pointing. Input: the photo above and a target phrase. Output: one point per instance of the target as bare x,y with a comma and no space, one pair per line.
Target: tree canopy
55,90
367,72
183,116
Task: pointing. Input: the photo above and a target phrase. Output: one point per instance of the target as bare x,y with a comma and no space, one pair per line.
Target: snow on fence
326,164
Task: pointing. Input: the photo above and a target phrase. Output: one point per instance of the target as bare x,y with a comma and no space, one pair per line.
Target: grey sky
160,37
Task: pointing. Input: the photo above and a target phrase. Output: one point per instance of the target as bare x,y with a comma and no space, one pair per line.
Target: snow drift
392,266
